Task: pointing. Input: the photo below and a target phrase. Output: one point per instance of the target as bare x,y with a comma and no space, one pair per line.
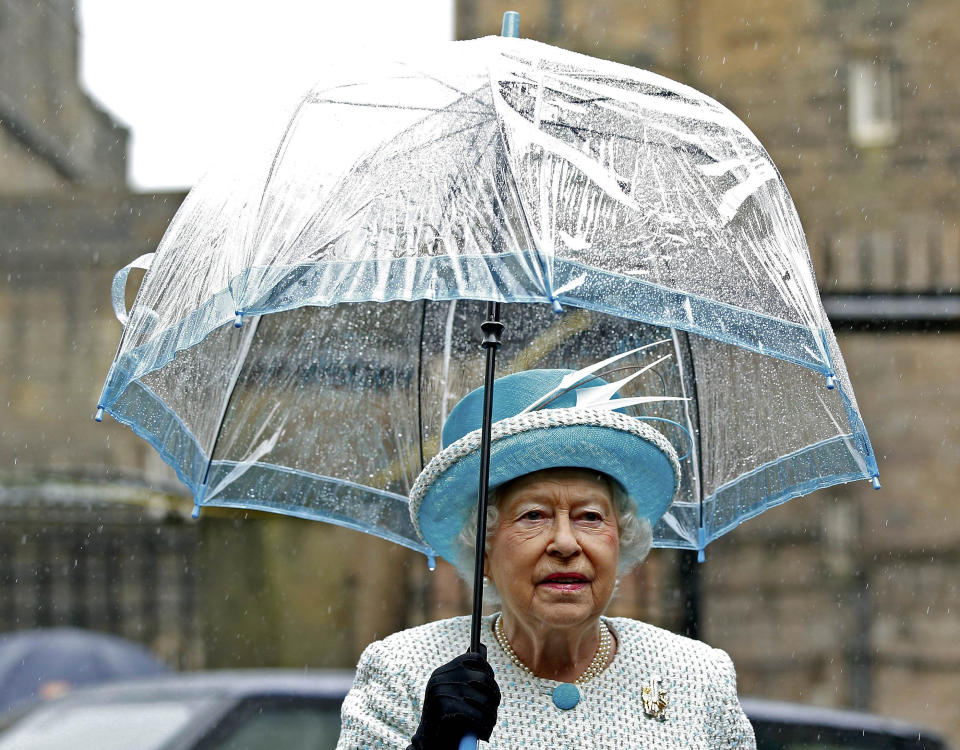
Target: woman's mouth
565,581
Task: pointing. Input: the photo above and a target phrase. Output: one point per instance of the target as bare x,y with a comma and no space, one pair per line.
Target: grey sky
193,78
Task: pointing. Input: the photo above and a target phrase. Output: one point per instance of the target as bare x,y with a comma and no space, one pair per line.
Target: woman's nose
564,542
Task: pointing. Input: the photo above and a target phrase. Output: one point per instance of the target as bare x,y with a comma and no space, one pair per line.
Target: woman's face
553,555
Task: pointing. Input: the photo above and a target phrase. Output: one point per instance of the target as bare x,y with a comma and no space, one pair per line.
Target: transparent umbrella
304,327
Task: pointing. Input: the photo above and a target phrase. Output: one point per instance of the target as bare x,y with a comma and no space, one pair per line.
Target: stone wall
51,133
848,597
257,590
58,332
87,499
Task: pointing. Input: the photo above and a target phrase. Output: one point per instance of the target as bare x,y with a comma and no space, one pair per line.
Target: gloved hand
462,697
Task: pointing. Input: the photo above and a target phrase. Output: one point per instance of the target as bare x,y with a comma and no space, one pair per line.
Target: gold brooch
654,699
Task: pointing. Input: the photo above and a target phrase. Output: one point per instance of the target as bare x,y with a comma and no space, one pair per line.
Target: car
300,710
43,663
217,710
793,726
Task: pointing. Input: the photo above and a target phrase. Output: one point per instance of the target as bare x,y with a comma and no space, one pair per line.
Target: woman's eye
592,517
533,515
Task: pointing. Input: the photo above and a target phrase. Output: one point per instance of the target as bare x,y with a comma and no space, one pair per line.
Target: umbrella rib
273,167
410,128
508,174
423,318
688,148
369,160
319,215
446,84
295,117
235,377
378,105
696,446
449,202
472,126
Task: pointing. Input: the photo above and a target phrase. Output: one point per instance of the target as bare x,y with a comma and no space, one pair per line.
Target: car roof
237,684
798,714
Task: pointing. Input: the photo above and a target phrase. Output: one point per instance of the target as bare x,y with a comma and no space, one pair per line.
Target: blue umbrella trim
180,449
440,278
152,420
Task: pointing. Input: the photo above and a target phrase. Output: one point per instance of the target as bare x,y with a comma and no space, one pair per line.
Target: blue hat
561,434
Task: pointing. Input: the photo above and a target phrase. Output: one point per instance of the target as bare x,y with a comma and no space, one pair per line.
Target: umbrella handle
119,286
511,27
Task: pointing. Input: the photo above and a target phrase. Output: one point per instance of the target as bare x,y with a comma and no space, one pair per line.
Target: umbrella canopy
65,658
302,330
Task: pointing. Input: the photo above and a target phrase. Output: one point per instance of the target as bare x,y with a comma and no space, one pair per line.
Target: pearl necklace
566,695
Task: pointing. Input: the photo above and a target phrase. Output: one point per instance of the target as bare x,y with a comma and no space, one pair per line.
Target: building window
873,104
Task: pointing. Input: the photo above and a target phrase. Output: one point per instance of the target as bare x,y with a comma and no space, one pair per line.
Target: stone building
95,529
75,509
848,597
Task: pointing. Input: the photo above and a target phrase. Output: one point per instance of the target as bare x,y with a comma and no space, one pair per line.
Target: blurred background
109,111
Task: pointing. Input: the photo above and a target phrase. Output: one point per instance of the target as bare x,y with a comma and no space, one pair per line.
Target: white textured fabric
382,709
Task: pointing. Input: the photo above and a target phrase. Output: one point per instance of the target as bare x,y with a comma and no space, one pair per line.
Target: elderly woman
576,492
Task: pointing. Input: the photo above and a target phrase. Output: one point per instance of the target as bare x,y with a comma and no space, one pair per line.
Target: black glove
461,698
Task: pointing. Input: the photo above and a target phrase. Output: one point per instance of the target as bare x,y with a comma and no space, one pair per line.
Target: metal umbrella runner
299,336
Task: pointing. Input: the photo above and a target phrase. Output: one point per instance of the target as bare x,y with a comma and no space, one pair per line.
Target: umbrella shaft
492,329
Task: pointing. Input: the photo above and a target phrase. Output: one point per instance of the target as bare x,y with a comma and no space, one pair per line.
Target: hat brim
644,471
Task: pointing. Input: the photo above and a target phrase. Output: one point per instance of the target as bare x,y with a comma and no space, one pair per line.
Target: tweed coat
703,712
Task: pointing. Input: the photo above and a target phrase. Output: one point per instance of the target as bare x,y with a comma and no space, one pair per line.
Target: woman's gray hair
636,534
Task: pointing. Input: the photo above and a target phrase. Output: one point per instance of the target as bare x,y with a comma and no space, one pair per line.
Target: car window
291,725
105,726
